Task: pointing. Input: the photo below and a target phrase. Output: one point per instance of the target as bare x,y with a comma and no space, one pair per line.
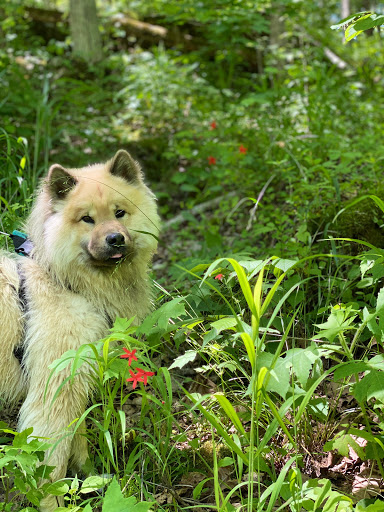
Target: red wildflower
219,277
140,376
242,149
135,378
129,355
213,125
211,160
144,375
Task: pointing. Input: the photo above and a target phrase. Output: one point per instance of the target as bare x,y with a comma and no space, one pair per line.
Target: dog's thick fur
91,229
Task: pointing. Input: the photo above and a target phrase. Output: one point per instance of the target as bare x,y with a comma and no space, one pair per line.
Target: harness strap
18,351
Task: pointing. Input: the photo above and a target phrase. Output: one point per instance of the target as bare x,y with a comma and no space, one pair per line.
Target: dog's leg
12,380
79,449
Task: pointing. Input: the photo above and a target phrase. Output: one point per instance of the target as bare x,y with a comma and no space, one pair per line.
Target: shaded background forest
184,86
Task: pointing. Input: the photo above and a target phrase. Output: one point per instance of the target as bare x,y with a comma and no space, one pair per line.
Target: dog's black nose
115,239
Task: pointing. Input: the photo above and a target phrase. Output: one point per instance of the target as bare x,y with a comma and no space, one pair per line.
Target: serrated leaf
337,322
302,361
122,324
114,501
342,443
184,359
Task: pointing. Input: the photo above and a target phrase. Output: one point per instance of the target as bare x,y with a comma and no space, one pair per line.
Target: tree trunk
345,9
84,27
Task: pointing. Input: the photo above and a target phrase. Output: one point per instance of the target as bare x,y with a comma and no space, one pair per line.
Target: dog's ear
124,166
60,181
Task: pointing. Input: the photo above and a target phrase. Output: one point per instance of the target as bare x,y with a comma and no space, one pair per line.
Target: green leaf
199,487
122,324
342,442
351,32
226,461
380,300
114,501
21,440
350,18
338,322
302,361
58,488
369,505
350,368
184,359
230,412
92,483
371,21
283,264
171,309
370,386
224,323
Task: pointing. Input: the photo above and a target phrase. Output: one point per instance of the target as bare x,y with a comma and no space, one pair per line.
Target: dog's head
104,214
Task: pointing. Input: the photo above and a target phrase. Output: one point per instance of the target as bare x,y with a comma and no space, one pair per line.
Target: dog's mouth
116,257
106,259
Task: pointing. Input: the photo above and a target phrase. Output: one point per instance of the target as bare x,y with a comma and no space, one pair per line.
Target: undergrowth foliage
270,393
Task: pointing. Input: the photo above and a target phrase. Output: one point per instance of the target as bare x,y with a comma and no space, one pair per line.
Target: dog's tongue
118,255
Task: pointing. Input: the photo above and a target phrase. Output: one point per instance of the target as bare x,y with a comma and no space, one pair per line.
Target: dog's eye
87,219
119,213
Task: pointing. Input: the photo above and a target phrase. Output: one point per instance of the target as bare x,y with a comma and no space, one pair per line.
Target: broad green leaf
371,21
58,488
226,461
21,439
114,501
338,322
284,264
224,323
302,361
370,386
351,33
92,483
380,300
342,442
351,17
350,368
279,377
369,505
184,359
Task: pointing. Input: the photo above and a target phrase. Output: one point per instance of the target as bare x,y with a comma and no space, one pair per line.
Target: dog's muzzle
115,248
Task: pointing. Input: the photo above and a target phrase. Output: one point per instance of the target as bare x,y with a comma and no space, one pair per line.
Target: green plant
20,468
